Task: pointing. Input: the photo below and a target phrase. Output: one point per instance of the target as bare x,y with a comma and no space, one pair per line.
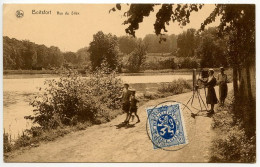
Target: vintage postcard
129,83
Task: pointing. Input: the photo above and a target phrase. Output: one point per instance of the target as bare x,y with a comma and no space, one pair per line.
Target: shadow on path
121,125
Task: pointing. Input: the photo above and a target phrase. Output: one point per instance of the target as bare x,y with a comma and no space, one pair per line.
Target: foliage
104,46
236,20
168,12
188,62
175,87
105,88
72,99
70,57
233,145
155,46
127,44
187,43
212,50
137,58
6,144
25,55
160,63
60,102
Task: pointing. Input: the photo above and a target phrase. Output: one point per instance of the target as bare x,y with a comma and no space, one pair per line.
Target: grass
231,144
176,86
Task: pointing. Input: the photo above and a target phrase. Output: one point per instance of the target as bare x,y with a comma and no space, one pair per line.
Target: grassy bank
231,144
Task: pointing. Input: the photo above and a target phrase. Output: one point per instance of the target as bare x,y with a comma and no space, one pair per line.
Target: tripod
201,101
196,92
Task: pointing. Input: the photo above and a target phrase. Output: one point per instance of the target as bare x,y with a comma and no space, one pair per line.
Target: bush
7,144
233,145
159,64
175,87
189,63
72,99
104,89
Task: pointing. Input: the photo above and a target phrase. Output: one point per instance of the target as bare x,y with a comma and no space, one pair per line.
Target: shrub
189,63
175,87
104,88
7,144
159,64
233,145
72,99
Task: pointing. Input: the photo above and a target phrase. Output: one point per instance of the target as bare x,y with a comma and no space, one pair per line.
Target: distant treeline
189,49
27,55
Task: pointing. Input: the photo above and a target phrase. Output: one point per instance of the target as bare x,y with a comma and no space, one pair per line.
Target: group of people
129,104
129,100
210,83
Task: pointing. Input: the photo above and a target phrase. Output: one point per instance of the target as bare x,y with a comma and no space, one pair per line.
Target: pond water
20,89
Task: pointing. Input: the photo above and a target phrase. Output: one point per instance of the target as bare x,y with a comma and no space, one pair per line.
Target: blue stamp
166,126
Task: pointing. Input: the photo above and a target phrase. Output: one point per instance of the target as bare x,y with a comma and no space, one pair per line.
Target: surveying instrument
196,92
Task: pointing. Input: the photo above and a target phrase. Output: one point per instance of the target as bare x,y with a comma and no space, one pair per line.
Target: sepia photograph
129,82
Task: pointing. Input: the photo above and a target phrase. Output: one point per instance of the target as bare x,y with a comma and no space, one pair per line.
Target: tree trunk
235,79
249,88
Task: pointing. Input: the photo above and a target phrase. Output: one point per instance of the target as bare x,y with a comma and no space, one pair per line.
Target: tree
187,43
238,21
104,47
167,12
29,55
83,56
137,58
211,49
127,44
41,55
55,56
70,57
155,46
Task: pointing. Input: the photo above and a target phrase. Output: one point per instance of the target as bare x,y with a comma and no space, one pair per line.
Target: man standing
223,89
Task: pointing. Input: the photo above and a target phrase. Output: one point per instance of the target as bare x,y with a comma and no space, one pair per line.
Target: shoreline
143,95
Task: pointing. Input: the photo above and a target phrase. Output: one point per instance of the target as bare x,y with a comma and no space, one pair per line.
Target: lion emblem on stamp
166,126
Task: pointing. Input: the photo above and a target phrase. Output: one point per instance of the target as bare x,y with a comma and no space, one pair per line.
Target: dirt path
107,143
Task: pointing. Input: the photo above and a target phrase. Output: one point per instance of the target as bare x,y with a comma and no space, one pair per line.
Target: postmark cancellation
167,126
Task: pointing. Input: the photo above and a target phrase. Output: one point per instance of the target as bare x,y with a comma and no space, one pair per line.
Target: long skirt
211,96
223,89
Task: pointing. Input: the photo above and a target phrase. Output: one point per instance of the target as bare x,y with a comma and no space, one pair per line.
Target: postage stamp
167,127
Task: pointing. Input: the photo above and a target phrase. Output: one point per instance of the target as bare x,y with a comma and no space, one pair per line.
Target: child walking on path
133,107
126,101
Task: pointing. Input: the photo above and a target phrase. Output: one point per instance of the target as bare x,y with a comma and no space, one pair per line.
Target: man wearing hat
223,89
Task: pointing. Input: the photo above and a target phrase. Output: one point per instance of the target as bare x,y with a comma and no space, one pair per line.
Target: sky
72,32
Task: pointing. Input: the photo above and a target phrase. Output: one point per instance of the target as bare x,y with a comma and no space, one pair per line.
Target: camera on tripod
196,94
204,74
